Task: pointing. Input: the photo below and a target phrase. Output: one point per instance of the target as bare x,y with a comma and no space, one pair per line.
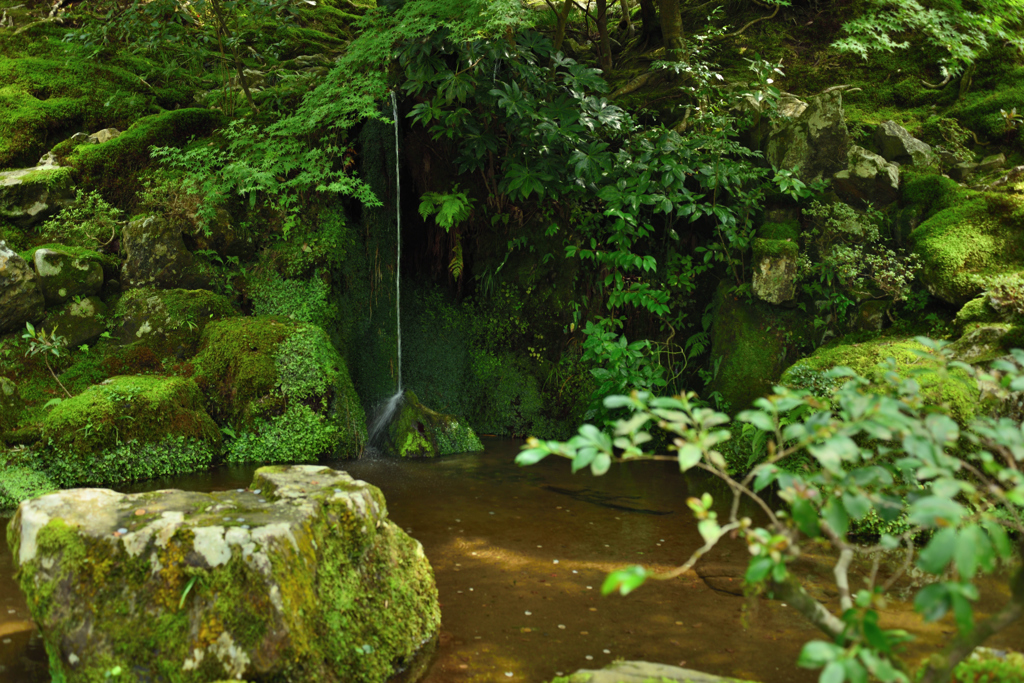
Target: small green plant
1011,121
89,222
46,343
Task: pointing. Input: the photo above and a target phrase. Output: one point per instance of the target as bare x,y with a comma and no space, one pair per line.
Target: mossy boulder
419,432
282,387
30,195
775,270
21,299
63,276
815,141
752,343
113,168
110,263
868,180
156,256
169,322
968,245
300,577
954,391
79,322
129,428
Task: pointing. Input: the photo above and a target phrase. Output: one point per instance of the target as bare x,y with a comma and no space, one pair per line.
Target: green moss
257,370
953,390
168,321
964,247
931,192
790,230
45,98
776,248
129,428
110,263
419,432
20,482
113,168
305,300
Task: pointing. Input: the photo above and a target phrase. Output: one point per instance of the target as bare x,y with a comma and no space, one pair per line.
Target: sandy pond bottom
520,554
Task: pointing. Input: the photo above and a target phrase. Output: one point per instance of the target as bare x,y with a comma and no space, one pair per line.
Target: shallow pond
520,554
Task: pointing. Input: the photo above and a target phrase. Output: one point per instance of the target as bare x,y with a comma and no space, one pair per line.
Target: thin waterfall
398,238
387,412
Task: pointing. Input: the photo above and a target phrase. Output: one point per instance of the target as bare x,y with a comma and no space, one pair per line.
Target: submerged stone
643,672
317,585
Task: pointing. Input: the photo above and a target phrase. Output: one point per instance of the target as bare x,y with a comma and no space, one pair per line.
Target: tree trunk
648,22
624,4
563,20
671,27
604,40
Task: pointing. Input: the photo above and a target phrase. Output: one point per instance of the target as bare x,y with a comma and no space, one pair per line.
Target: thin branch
751,23
681,569
796,597
937,86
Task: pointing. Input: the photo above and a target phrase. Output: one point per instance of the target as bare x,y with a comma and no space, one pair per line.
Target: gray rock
775,270
79,322
21,299
307,576
644,672
29,196
871,315
816,139
897,145
105,135
64,276
991,163
156,256
868,179
962,171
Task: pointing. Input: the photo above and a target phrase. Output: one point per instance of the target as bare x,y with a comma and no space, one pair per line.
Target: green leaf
834,672
709,530
624,580
818,653
531,456
602,461
933,511
758,569
689,456
932,601
584,457
856,504
939,551
806,517
836,516
759,419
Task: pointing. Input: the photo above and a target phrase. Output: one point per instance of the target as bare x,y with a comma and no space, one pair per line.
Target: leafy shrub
89,222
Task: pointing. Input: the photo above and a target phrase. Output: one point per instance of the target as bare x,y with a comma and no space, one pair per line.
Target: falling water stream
398,242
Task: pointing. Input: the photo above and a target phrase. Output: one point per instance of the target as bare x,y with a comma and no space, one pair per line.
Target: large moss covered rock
30,195
21,299
752,343
11,404
302,577
156,256
282,387
954,390
129,428
63,276
969,244
815,141
79,322
21,482
170,322
419,432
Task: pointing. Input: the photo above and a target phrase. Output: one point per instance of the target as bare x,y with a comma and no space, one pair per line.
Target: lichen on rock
300,577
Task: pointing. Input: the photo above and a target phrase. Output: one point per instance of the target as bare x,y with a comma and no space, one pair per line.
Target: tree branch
796,597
